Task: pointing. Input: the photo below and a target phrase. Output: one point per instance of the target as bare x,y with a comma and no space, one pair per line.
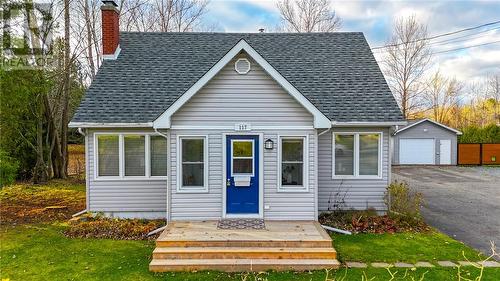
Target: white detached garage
425,142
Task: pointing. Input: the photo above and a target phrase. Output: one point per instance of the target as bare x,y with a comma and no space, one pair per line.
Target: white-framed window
130,156
357,155
292,163
242,160
158,156
134,151
108,155
192,164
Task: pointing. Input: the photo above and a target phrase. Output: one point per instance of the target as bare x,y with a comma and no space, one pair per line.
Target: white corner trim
429,120
109,125
113,56
320,120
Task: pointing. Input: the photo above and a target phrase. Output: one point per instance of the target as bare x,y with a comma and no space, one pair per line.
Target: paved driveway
463,202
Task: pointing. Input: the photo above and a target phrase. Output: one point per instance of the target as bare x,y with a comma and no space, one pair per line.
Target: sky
375,20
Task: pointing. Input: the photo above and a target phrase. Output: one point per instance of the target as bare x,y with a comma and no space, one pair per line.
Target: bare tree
406,59
308,16
442,95
162,15
493,92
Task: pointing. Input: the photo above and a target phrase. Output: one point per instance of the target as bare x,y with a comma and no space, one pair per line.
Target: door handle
228,182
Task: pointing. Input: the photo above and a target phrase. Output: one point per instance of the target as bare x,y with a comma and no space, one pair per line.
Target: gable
230,98
320,120
426,126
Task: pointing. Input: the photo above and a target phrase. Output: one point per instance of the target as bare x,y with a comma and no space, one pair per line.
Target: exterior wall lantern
269,144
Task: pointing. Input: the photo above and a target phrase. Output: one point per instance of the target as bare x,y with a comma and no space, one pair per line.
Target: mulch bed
124,229
25,203
370,222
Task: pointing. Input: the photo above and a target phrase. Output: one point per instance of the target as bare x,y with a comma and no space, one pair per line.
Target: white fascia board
433,122
109,125
320,120
369,124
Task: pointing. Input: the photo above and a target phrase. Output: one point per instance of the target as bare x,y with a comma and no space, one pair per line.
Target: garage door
416,151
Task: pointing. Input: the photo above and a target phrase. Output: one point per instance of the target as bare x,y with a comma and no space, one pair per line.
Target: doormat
241,224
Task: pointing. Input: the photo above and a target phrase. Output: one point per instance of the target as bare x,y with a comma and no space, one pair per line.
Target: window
243,161
135,156
193,163
127,155
344,155
109,156
292,163
158,152
368,154
357,154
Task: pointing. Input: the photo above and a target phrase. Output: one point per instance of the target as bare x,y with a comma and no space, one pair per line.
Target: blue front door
242,174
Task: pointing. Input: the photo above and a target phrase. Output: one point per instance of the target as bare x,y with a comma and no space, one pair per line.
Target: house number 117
242,127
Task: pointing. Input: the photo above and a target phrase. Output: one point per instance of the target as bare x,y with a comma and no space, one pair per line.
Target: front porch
282,245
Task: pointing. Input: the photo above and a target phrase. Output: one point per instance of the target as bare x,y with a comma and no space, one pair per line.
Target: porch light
269,144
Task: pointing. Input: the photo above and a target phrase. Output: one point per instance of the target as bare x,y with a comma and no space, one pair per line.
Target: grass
40,251
402,247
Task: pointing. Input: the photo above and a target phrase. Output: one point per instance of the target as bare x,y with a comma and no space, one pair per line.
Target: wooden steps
246,243
237,265
243,253
190,246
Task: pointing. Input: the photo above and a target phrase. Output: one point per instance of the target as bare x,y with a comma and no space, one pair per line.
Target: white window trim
305,169
356,155
192,189
252,174
121,157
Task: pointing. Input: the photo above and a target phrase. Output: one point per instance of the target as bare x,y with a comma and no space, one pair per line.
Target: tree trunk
40,170
63,163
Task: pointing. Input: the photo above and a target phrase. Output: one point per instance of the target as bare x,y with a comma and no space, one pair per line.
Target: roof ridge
246,33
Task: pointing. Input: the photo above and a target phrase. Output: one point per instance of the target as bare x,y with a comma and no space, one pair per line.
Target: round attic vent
242,66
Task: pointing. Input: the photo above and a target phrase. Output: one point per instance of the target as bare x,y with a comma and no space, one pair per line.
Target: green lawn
402,247
37,250
42,252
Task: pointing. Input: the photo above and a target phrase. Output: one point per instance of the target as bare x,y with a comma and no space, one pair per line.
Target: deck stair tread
243,253
245,243
240,249
241,264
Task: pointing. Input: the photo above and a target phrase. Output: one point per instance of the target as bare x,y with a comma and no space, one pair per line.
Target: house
205,126
425,142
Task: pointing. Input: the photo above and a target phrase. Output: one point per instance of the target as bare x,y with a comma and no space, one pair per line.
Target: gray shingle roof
335,71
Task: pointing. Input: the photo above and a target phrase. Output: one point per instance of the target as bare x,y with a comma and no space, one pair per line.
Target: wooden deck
283,245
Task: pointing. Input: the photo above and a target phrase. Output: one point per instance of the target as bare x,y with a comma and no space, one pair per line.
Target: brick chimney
110,29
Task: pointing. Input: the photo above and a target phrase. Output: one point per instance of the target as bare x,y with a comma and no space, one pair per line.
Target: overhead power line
437,36
463,48
465,36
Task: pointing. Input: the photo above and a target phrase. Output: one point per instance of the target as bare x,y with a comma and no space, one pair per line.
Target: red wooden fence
478,154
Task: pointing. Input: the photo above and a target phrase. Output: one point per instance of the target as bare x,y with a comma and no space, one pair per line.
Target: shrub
403,202
475,134
8,169
368,221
